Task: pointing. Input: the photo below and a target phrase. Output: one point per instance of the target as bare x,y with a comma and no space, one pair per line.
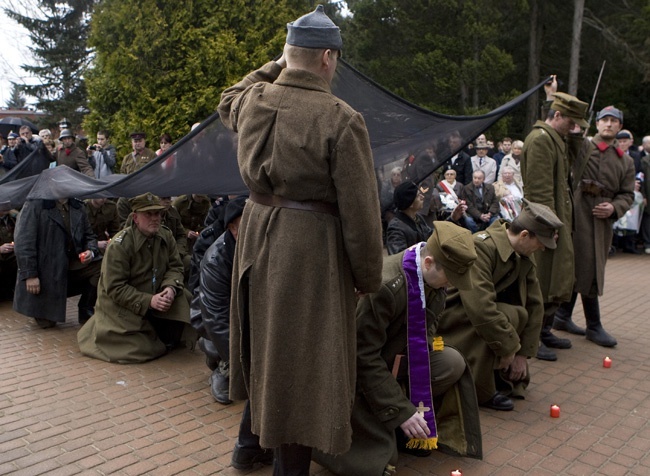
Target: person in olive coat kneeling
142,310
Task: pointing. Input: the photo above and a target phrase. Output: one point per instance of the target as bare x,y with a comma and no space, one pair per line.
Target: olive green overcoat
133,270
545,169
592,237
500,315
380,405
293,333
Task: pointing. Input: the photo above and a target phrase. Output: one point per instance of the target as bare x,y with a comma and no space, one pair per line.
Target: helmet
66,133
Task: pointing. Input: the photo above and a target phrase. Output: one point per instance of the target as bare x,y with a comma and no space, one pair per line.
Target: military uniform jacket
302,266
545,170
192,213
133,161
133,270
380,405
104,220
593,236
41,240
75,159
504,285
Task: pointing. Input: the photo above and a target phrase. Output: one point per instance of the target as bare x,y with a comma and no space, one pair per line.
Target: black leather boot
248,451
595,331
87,303
547,338
562,320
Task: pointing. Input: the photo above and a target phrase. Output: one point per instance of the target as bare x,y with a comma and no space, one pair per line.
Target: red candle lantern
456,472
607,362
555,411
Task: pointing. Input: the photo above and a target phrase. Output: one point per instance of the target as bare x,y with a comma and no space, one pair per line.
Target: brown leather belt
307,205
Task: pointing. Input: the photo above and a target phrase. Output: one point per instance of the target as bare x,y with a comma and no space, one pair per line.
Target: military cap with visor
145,203
571,107
541,220
452,247
610,111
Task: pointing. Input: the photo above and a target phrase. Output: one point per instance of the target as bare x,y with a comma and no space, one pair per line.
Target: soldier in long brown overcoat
310,234
603,180
545,170
73,156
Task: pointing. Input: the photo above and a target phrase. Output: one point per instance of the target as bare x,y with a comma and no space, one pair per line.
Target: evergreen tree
161,66
17,98
58,34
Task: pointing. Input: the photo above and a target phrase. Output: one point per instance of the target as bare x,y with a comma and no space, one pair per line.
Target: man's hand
518,369
7,248
416,427
485,217
163,300
505,361
33,285
102,245
192,235
459,211
603,210
550,88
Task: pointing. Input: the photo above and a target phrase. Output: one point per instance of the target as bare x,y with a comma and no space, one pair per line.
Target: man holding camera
102,156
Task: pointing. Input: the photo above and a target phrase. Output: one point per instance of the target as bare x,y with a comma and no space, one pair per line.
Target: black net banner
205,162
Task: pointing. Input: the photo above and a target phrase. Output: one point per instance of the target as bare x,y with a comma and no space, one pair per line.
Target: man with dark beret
496,323
407,226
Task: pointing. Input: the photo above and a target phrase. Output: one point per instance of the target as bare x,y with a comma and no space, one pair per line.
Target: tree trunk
574,68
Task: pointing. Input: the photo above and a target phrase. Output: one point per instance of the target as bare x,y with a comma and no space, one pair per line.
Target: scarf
418,347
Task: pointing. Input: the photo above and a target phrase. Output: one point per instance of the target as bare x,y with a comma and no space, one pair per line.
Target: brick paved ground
62,413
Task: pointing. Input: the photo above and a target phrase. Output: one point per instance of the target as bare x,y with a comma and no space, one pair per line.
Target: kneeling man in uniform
142,310
396,348
496,323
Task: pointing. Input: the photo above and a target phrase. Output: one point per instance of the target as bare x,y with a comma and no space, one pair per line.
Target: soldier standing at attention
545,170
310,236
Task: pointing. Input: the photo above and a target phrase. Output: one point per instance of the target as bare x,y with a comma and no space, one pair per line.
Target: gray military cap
314,30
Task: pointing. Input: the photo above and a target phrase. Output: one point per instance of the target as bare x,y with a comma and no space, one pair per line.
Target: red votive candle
555,411
607,362
456,472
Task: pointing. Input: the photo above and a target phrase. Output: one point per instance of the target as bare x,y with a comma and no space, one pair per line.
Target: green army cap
145,202
541,220
453,248
572,107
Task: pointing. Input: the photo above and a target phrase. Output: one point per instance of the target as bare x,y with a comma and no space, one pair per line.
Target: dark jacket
462,166
41,242
212,296
476,205
403,232
203,242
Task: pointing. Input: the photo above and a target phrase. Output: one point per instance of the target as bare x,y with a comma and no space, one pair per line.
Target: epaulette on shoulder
166,228
396,283
120,236
482,236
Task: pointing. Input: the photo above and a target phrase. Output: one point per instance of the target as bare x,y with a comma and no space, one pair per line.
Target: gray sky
15,49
